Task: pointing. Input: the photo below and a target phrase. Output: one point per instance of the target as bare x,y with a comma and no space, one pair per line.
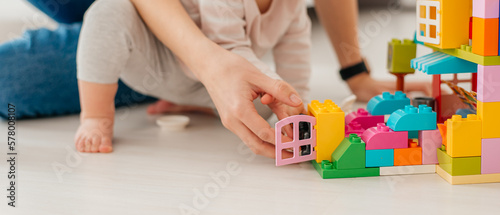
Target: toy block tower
330,127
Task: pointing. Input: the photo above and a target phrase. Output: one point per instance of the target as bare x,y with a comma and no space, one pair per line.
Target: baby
117,43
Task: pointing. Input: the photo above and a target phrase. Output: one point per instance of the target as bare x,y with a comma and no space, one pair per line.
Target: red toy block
488,83
430,140
485,36
365,119
490,159
353,128
408,156
485,8
382,137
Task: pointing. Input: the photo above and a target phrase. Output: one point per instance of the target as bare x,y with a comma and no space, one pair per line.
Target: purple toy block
382,137
365,119
430,140
490,161
485,9
488,83
353,128
296,143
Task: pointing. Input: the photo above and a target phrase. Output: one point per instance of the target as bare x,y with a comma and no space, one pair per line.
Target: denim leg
63,11
38,74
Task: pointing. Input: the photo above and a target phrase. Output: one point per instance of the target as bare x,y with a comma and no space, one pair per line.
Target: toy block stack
485,27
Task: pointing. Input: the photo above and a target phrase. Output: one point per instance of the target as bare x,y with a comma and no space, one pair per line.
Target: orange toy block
408,156
485,36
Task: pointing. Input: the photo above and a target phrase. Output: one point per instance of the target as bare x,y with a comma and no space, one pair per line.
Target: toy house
462,149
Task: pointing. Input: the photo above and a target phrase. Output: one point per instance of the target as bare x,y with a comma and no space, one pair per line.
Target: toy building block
437,63
387,103
465,53
442,127
379,157
400,54
490,157
408,156
463,136
296,143
408,170
353,128
485,8
412,134
330,127
459,166
326,170
485,36
382,137
365,119
489,114
412,119
430,140
488,83
468,179
350,154
443,23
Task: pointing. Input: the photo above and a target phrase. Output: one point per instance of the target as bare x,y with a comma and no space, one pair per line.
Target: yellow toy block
454,16
468,179
463,136
485,36
330,128
489,114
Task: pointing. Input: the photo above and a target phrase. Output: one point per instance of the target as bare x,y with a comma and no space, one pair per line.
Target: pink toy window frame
295,144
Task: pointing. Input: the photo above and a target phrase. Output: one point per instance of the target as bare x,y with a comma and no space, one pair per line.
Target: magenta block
430,141
365,119
485,8
488,83
295,144
382,137
353,128
490,156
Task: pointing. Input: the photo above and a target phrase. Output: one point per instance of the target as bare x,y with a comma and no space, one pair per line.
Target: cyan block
412,119
412,134
379,157
387,103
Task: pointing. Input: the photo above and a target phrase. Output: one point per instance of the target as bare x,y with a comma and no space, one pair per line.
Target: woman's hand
365,87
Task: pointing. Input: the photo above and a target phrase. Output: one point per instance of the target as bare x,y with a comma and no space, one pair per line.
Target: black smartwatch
353,70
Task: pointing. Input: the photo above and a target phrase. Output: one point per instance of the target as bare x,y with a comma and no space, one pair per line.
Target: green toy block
350,154
400,54
459,166
465,53
326,171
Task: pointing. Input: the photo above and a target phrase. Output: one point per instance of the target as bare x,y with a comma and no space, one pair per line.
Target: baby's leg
113,42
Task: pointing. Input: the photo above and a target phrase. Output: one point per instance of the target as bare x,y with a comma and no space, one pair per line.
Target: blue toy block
412,119
379,157
412,134
387,103
437,63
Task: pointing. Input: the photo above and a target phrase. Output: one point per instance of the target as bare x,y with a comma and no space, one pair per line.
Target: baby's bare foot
162,106
94,135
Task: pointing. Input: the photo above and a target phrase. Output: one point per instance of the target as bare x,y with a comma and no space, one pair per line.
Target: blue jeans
38,70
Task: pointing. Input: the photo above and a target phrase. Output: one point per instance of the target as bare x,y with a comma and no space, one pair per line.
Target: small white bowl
173,122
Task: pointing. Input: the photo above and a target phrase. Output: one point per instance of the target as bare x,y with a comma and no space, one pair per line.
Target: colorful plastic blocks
459,166
399,54
490,159
353,128
387,103
326,171
379,157
350,154
463,136
430,140
296,144
365,119
382,137
413,119
330,127
408,156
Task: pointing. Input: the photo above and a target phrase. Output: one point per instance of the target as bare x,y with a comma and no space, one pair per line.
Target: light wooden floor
156,172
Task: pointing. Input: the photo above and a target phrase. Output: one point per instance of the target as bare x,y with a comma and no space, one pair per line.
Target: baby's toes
106,145
88,144
80,143
96,142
